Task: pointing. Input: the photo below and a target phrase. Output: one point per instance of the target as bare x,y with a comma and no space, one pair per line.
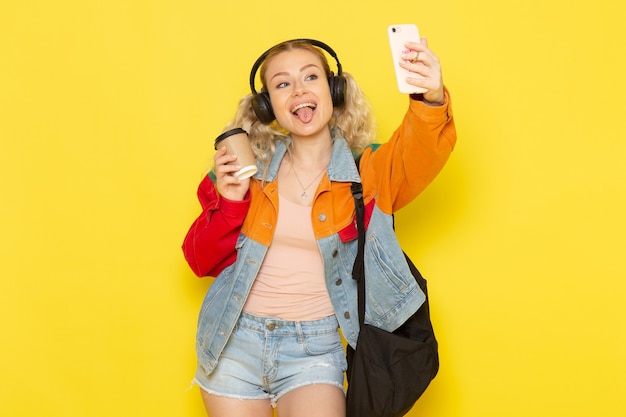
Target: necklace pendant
303,195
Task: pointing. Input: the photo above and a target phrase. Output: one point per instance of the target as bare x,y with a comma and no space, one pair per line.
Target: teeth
303,105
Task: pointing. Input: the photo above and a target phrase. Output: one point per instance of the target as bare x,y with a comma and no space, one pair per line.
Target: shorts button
271,326
346,315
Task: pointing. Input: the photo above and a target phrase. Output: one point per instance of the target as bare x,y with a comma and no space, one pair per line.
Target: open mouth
304,111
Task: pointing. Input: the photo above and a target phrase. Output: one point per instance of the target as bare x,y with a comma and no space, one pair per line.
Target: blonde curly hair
353,120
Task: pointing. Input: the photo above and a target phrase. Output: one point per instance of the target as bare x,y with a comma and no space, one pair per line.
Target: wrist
429,101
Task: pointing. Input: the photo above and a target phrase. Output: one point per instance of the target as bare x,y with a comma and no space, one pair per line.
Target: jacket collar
340,169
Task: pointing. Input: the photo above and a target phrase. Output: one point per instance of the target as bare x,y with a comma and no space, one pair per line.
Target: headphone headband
313,42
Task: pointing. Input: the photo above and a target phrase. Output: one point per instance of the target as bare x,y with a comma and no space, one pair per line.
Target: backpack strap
358,269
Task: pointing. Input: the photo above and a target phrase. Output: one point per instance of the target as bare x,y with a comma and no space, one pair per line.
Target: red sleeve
209,245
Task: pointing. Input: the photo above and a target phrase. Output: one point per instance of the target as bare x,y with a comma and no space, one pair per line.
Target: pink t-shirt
290,284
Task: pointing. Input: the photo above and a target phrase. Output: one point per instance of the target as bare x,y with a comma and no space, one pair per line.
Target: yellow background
108,110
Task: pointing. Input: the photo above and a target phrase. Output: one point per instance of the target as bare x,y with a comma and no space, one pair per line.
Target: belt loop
300,333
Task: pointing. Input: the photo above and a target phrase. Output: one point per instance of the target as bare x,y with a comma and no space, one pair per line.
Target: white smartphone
398,36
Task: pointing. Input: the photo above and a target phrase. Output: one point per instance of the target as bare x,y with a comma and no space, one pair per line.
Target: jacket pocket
387,266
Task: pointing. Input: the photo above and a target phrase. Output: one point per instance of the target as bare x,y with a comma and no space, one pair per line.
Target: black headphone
261,103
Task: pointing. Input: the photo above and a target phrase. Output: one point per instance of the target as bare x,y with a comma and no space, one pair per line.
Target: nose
298,88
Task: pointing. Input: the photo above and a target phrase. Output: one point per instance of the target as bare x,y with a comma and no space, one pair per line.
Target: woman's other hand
419,59
229,186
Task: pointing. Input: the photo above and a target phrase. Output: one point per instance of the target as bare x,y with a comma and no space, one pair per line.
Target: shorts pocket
321,344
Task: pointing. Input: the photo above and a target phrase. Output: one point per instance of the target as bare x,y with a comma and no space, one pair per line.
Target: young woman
282,244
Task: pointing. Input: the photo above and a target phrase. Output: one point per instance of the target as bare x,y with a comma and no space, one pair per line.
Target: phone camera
394,30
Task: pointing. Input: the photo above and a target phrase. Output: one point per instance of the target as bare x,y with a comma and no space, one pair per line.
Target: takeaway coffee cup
237,143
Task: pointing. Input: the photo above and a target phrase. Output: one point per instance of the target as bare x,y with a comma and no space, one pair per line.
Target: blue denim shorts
266,358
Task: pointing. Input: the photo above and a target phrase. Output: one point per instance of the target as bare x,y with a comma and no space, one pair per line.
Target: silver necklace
304,194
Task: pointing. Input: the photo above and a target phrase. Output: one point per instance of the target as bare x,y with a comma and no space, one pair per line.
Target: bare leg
320,400
232,407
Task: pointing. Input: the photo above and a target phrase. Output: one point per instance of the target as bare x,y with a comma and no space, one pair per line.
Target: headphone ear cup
262,107
337,85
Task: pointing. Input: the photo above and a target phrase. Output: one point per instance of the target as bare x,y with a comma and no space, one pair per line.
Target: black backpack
388,372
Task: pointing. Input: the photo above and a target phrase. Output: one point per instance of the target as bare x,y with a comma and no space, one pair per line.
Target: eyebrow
301,70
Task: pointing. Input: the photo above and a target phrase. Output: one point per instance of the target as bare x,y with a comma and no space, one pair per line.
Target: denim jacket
392,175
